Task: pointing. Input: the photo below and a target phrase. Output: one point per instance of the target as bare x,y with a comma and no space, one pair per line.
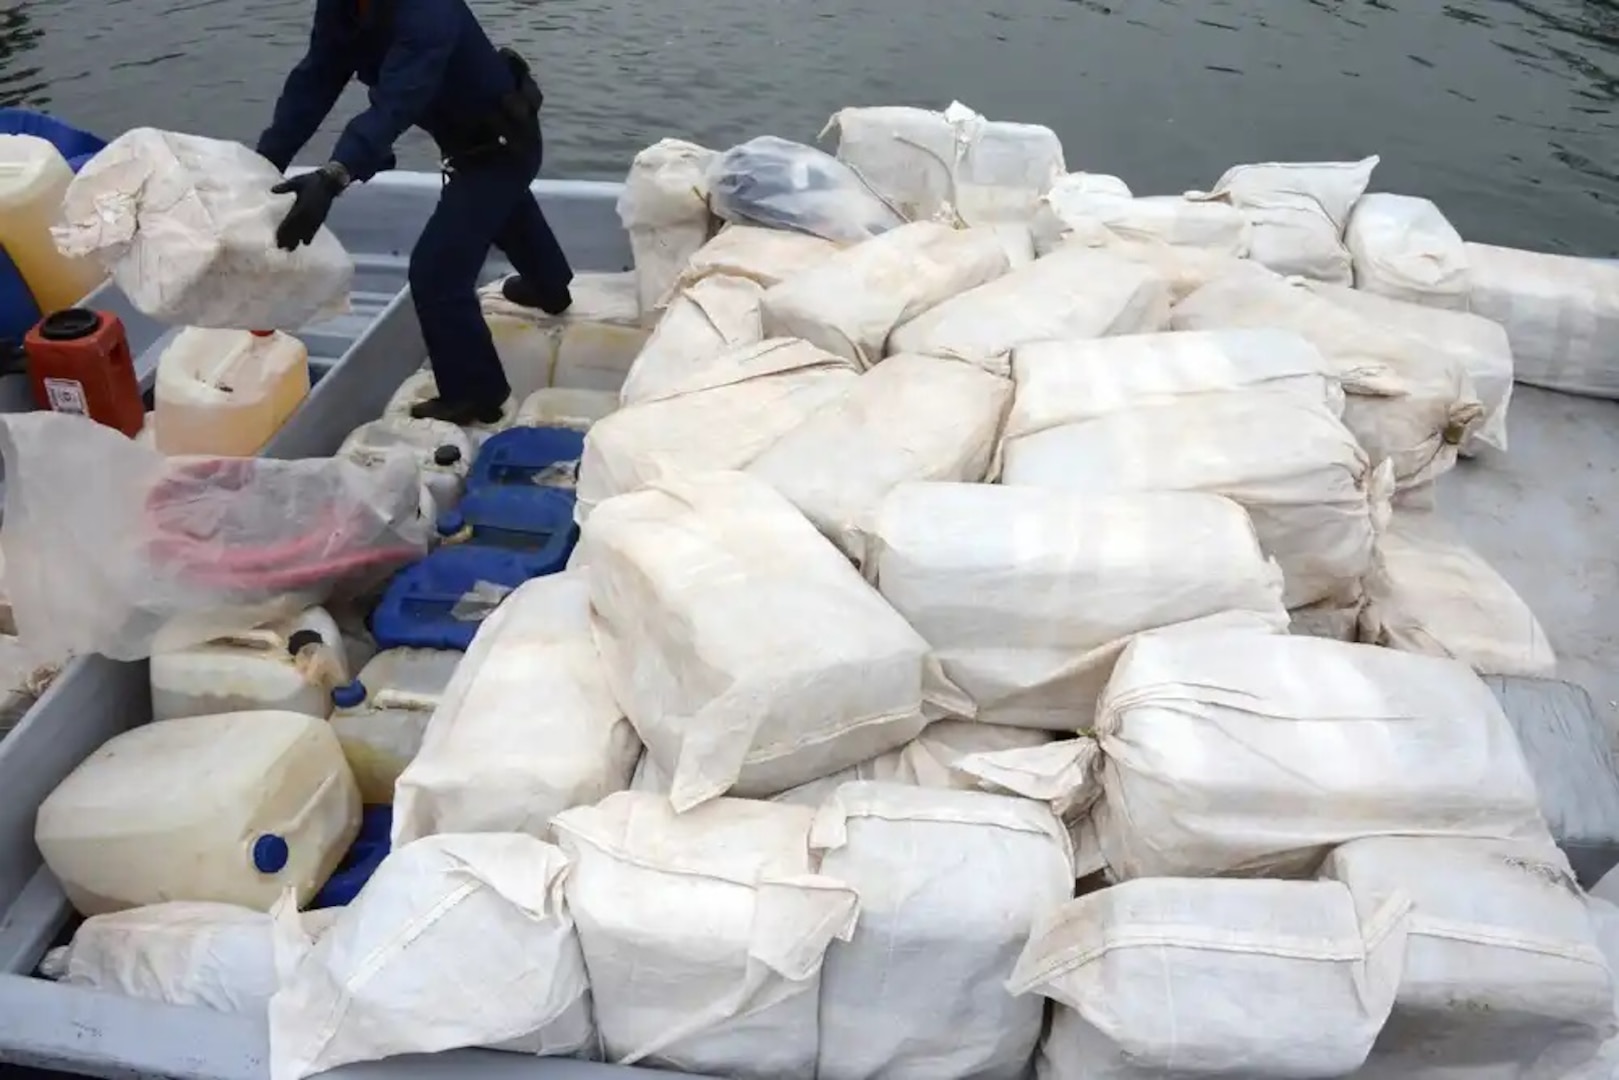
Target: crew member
429,64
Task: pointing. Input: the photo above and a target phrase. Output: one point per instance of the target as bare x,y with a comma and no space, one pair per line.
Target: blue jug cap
451,522
350,695
270,854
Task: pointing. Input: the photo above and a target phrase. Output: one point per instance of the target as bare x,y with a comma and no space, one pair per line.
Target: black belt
513,125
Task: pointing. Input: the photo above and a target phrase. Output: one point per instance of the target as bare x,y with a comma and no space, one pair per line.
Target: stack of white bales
891,709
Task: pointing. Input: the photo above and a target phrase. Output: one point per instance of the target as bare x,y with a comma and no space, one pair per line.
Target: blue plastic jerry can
440,602
538,522
370,847
526,458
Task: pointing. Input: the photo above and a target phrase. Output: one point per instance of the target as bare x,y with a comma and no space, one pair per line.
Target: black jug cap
69,325
302,639
446,455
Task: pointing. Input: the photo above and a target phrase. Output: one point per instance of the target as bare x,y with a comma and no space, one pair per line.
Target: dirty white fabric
589,347
526,728
1561,313
456,941
1254,754
1431,593
1298,212
1028,596
850,303
1605,923
765,256
664,208
1478,344
1065,775
1186,269
949,164
1504,979
1315,500
1077,292
919,990
212,956
109,542
704,932
712,317
1407,402
927,761
1078,208
786,185
746,650
1176,979
1017,241
186,227
722,416
909,418
1404,248
1065,382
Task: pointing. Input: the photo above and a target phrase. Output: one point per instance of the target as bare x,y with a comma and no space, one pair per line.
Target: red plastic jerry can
79,362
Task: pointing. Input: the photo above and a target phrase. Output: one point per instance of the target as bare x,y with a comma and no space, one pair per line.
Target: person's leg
543,273
474,207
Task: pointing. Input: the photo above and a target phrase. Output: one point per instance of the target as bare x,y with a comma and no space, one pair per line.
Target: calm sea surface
1505,112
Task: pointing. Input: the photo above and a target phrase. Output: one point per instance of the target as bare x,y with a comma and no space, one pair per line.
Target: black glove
315,191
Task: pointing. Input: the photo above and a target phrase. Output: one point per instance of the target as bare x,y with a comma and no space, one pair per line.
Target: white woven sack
746,650
1404,248
723,415
526,728
456,941
1076,292
947,164
1298,212
1065,382
1478,344
919,990
704,932
850,303
1255,755
714,316
1561,313
1504,979
1315,501
1176,979
1028,596
664,208
910,418
1407,402
186,953
764,256
186,226
928,761
1431,593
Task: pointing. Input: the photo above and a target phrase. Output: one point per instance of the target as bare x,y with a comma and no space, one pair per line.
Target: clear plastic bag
787,185
107,542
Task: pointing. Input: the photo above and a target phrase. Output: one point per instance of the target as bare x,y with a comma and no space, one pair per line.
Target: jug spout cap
270,854
349,696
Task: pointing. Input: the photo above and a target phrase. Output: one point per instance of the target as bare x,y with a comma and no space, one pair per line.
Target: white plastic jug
380,717
291,665
233,808
422,386
559,407
227,392
443,453
591,346
33,177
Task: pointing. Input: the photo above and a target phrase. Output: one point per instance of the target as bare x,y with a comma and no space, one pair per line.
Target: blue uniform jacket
428,64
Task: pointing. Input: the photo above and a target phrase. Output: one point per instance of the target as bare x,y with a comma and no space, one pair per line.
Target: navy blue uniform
430,65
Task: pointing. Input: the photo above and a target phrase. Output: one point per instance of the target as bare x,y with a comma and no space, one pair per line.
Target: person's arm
312,89
424,37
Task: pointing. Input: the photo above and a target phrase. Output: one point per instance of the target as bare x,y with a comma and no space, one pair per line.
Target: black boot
523,292
459,413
